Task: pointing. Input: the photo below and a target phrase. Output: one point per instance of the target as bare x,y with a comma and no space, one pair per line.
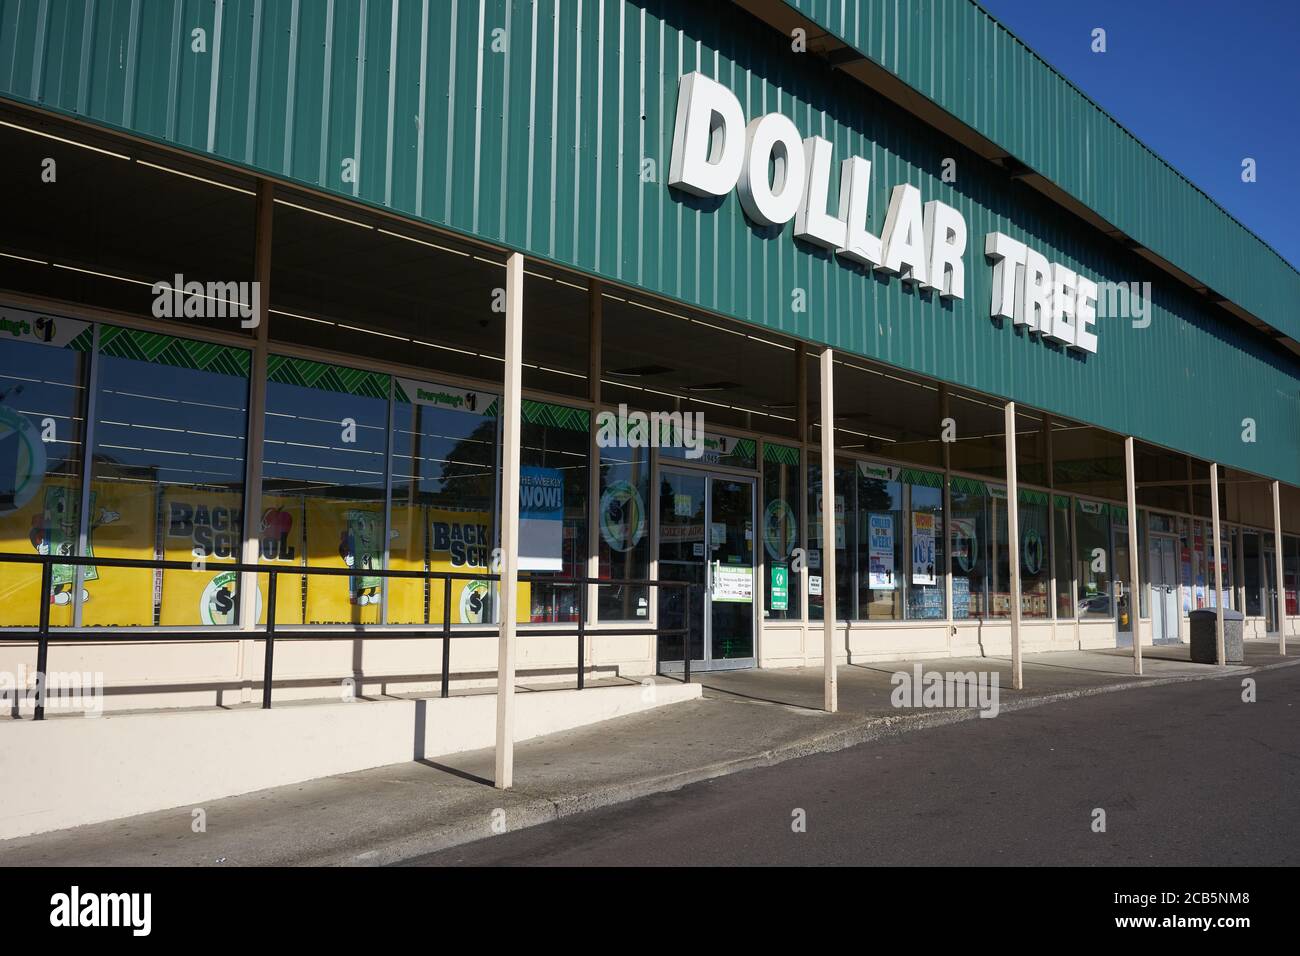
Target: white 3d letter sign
708,143
1045,297
774,201
779,175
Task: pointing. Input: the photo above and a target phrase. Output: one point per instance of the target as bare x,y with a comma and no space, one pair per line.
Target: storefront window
898,525
167,476
1273,566
1123,568
1122,578
1093,559
878,518
925,591
624,532
1185,578
1061,560
999,582
1200,580
555,450
1290,571
1231,578
1144,564
1035,567
845,541
444,495
968,537
43,368
780,530
324,472
1226,565
1250,577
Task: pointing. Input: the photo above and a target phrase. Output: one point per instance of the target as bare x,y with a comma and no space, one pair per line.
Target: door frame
1267,574
1171,597
711,474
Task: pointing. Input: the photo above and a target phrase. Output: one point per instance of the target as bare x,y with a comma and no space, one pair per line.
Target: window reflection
324,472
445,485
167,475
43,367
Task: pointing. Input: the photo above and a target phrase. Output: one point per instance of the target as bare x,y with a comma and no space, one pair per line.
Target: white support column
831,700
1218,562
1013,544
510,435
1134,586
1277,572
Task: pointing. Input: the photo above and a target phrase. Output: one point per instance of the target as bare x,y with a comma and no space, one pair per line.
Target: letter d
709,138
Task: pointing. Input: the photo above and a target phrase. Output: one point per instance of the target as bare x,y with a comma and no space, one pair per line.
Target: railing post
686,638
582,634
43,643
446,636
267,669
659,625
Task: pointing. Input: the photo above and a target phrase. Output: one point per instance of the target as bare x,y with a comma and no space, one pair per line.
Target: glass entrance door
1125,609
706,538
731,571
683,524
1270,589
1164,589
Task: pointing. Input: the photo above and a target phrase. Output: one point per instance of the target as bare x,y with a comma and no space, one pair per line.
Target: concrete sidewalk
745,719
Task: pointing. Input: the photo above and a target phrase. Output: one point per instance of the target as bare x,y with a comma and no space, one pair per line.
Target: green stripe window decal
327,378
744,450
160,349
917,476
781,454
556,416
1063,501
969,486
1030,497
84,341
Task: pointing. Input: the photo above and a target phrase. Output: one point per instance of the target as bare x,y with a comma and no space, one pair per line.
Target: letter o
774,202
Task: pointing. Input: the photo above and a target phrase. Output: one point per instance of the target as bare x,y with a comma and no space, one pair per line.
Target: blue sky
1202,83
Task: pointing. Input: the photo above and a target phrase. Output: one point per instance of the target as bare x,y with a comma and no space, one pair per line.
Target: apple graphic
277,524
277,521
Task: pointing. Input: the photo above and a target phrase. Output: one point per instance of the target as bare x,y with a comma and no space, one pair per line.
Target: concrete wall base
66,771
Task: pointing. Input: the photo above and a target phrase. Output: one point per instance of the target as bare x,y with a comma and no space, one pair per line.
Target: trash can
1205,647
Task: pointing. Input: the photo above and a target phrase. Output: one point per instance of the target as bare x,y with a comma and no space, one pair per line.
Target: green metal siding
959,56
544,142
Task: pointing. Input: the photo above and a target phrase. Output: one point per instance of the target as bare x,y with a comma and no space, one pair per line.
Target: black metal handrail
269,634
